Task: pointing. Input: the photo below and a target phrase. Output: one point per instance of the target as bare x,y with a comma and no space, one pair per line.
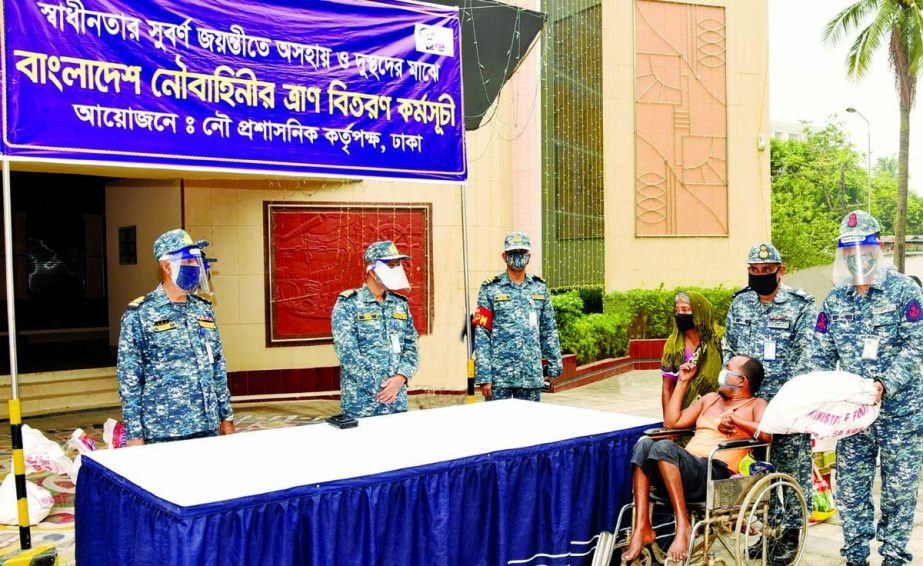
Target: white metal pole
10,293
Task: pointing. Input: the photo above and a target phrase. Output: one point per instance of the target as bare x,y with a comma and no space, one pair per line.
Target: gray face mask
723,379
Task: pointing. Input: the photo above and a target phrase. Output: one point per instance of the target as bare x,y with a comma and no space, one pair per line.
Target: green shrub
568,309
597,337
592,297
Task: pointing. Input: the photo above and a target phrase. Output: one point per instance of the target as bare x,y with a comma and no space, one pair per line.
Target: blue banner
356,88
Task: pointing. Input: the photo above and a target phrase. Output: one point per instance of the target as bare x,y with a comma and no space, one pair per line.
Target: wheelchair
742,520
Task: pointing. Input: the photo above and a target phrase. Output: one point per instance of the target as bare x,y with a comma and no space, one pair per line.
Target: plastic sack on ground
43,455
114,433
81,442
40,502
824,504
824,404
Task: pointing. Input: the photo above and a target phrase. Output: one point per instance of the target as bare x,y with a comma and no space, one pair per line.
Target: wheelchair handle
668,432
741,443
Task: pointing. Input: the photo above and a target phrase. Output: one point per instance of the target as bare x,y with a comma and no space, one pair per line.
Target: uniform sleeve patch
484,318
913,311
821,325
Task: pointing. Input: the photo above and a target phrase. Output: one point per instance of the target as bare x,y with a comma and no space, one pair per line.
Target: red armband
483,317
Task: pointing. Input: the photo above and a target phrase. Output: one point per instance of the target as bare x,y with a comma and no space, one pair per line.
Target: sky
807,81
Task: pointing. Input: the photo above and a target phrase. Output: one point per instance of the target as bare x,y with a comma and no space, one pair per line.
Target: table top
189,473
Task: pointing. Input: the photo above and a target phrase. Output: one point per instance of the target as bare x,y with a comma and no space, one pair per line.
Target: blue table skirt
512,505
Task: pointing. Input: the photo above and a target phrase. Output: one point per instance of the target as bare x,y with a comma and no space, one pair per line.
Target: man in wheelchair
733,412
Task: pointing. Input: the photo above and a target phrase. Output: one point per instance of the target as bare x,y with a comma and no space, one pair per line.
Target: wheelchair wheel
772,524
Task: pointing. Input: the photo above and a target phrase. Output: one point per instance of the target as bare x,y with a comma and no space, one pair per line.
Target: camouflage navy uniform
777,333
514,329
878,336
374,342
171,371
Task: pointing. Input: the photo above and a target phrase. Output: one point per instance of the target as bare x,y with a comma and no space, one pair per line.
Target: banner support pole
19,464
469,338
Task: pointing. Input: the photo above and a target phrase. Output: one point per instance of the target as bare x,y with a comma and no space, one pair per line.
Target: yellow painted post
19,469
471,397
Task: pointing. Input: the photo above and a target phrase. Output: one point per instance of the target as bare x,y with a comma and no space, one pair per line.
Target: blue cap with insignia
383,250
764,253
174,241
858,223
517,241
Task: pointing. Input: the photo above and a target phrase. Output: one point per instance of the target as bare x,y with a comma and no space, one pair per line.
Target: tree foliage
818,180
815,182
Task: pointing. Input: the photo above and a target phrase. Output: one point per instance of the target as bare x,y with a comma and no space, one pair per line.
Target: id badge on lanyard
395,343
870,348
769,350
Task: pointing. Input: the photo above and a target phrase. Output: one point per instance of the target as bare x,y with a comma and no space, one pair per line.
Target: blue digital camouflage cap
858,223
174,241
517,241
764,252
384,250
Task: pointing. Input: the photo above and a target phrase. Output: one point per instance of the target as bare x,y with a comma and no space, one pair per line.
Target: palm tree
901,24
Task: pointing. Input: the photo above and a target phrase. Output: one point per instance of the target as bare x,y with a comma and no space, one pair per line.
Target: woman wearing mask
695,338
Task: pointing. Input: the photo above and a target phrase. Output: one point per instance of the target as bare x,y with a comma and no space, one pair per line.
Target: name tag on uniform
769,350
780,324
502,298
538,297
399,316
395,344
884,309
206,323
164,325
367,316
870,348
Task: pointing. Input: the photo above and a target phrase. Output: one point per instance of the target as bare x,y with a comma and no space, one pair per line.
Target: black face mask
684,322
764,284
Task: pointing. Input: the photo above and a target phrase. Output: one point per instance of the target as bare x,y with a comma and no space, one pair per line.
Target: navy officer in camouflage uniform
172,374
515,328
374,337
773,323
872,325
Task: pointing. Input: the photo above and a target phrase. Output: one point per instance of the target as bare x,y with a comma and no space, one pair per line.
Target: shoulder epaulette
537,278
201,298
801,293
491,280
136,304
347,293
742,291
398,295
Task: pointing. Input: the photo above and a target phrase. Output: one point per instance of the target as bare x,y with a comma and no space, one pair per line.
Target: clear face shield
188,270
858,261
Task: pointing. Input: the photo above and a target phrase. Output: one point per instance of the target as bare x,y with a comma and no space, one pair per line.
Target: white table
489,483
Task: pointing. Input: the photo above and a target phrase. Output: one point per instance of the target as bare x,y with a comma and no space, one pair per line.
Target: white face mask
393,278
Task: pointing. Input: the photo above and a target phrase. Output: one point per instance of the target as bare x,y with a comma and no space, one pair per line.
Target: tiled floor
636,393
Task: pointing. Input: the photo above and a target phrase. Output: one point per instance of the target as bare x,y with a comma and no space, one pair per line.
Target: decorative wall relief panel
315,251
681,120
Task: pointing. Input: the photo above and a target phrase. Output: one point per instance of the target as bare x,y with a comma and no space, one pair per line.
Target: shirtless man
733,412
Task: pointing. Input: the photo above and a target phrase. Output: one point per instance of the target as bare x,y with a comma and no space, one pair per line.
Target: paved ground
634,393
